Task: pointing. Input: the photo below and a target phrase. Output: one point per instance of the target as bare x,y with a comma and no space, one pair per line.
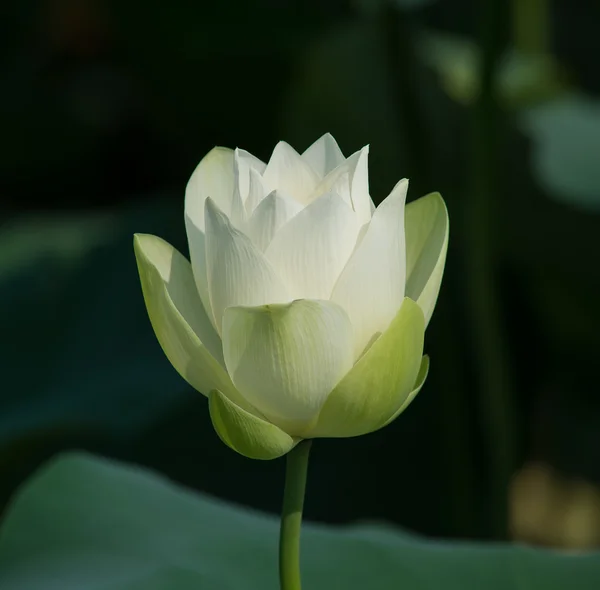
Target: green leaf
65,240
522,79
566,134
81,287
247,433
85,523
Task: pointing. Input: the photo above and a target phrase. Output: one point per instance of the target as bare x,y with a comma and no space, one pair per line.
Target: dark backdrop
105,109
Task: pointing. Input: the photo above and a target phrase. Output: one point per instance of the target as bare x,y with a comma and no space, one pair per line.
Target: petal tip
141,243
212,211
411,306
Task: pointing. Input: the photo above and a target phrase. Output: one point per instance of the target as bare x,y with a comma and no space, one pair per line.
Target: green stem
291,516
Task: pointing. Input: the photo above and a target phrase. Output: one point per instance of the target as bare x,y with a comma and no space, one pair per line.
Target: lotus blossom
303,310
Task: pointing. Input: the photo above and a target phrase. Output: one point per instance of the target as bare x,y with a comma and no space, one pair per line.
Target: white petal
288,172
237,272
286,359
156,255
371,286
247,162
350,180
273,212
359,186
338,182
179,320
379,382
324,155
243,164
214,178
241,176
256,191
197,246
310,251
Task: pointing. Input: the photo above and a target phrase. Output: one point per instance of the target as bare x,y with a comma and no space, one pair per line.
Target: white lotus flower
302,313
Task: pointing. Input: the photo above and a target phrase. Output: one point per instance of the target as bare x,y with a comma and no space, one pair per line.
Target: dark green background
105,109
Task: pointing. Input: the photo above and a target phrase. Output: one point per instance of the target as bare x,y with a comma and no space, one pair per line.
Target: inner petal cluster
303,212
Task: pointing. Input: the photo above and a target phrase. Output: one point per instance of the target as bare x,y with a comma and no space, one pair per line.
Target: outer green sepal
427,227
246,433
379,383
178,317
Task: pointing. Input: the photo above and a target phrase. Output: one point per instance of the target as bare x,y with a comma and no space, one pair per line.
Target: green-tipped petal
379,383
246,433
421,377
426,226
178,317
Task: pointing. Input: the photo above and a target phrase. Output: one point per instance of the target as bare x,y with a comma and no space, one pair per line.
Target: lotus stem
291,516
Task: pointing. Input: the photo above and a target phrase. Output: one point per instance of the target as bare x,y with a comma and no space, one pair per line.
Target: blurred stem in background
531,26
454,423
494,367
398,39
398,34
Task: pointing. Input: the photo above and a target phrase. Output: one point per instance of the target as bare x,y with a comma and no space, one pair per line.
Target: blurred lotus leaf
566,155
522,79
372,7
83,522
61,239
79,347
